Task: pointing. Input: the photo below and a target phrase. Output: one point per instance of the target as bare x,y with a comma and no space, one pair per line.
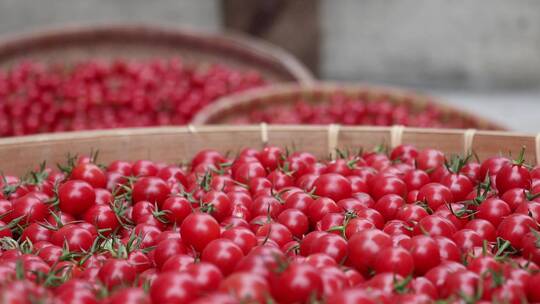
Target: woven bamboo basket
235,107
178,144
71,44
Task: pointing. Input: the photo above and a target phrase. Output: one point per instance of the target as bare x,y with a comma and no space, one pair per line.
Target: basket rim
201,129
256,95
237,44
177,144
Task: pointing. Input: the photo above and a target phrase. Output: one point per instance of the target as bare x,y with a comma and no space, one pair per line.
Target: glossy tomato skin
320,260
297,284
103,217
6,209
177,209
207,276
435,225
76,238
467,239
333,279
295,220
533,292
241,236
448,249
51,254
207,156
415,179
91,174
423,286
395,260
173,174
513,176
138,259
116,272
299,201
121,167
531,250
142,209
352,296
151,189
148,235
275,231
459,184
356,225
492,166
223,253
321,207
33,233
514,227
404,153
461,282
383,185
425,253
493,210
435,195
429,159
266,205
332,245
75,197
472,171
485,228
218,204
246,286
411,212
199,229
29,208
248,171
172,287
389,205
333,186
364,247
177,263
168,248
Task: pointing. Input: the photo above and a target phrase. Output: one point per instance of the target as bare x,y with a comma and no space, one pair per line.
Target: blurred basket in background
77,43
349,104
127,76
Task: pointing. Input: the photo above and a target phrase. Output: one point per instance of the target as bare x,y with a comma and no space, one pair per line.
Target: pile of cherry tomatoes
273,226
37,97
339,108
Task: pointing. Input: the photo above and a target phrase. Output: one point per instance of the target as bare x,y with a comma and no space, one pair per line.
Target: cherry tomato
364,247
75,197
117,272
199,229
172,287
151,189
333,186
298,283
223,253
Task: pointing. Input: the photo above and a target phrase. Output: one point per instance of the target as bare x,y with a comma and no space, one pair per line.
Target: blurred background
483,55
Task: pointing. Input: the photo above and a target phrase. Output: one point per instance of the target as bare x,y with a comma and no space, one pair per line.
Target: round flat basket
72,44
178,144
276,103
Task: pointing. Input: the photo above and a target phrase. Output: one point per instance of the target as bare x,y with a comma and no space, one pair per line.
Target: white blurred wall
18,15
472,44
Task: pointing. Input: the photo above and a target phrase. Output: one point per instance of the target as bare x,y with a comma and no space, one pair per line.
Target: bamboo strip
179,144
